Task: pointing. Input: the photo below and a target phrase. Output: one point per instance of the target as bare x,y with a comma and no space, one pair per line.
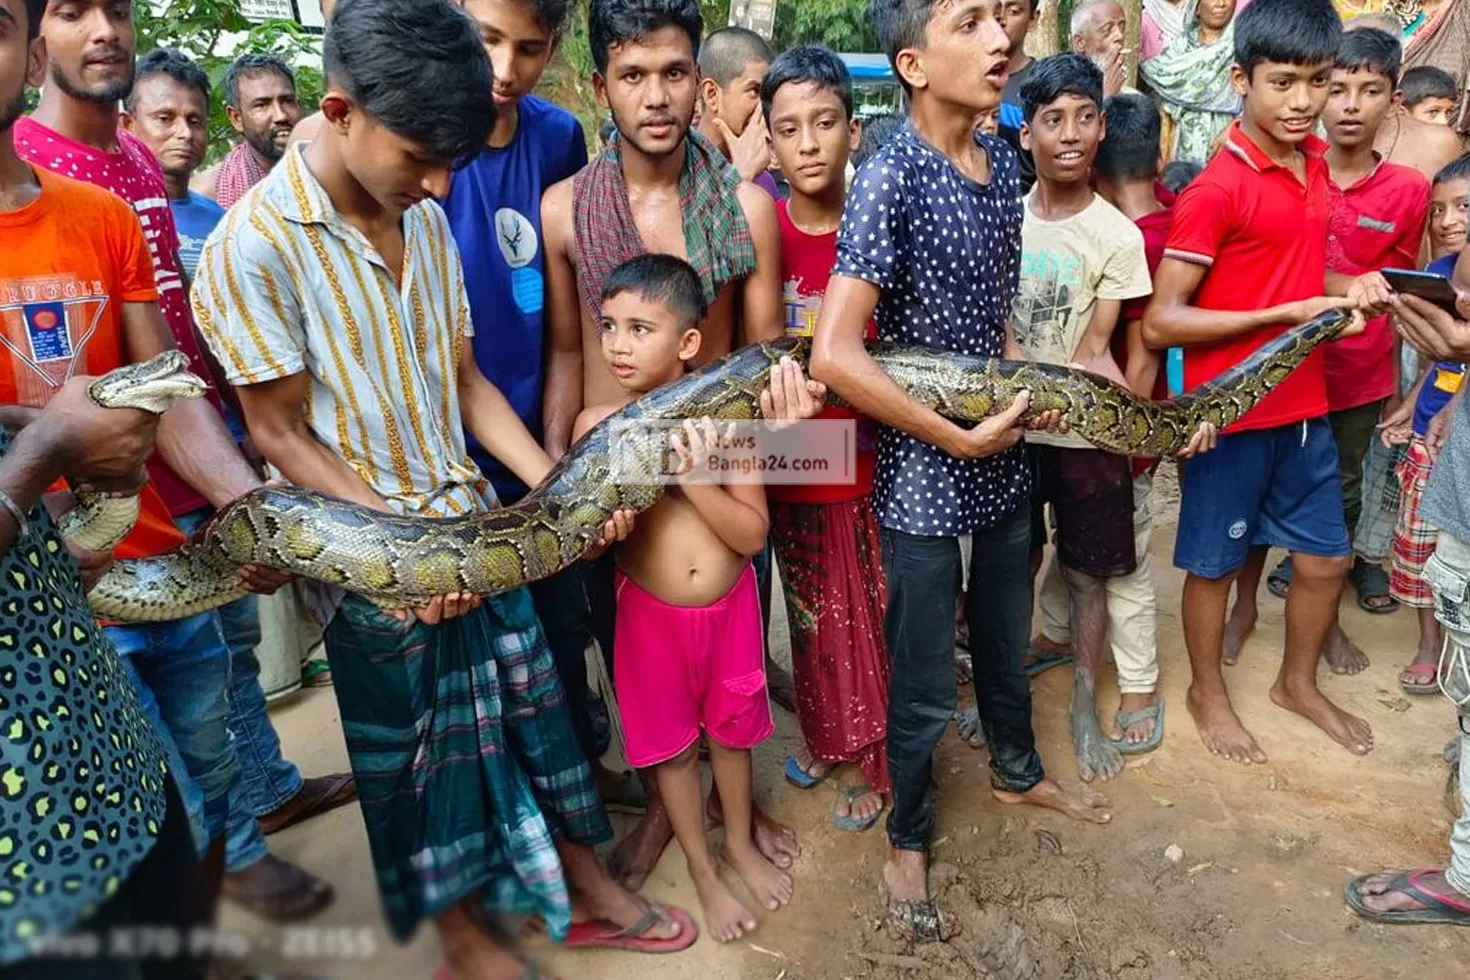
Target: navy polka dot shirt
946,253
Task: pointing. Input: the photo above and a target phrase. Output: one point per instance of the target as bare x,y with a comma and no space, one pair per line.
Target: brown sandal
317,796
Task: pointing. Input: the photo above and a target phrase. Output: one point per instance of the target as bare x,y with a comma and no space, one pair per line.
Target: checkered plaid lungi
1413,540
1374,535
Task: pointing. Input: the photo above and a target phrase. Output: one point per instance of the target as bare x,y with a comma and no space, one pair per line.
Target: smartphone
1426,285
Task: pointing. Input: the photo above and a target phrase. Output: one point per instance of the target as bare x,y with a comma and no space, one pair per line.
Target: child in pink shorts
689,640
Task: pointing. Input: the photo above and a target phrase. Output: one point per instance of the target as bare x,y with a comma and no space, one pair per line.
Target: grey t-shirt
1446,502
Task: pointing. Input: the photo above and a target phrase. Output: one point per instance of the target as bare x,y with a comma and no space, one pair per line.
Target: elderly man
1098,30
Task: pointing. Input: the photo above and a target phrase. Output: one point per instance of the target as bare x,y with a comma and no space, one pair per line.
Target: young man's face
964,58
812,137
395,172
650,88
90,45
268,112
173,120
518,44
1062,137
1017,17
1434,110
1357,102
21,61
736,103
1447,217
643,342
1283,100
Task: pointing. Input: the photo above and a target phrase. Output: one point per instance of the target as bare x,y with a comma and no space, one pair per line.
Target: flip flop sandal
1125,718
302,898
630,791
1371,582
1425,679
847,821
919,922
335,790
1279,581
799,777
1044,660
1444,908
316,673
601,934
969,718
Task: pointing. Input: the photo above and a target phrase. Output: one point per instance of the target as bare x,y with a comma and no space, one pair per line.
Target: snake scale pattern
400,561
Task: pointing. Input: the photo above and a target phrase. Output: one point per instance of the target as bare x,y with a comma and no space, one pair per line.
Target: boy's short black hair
1291,32
173,63
1369,49
659,278
612,22
418,68
900,24
1178,174
725,54
253,63
1058,75
812,63
551,15
1130,149
877,130
1428,82
1456,169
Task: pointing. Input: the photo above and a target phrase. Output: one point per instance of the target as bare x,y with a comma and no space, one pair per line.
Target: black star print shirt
946,253
81,769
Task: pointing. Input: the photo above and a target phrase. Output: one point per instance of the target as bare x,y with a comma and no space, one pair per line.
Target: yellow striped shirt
286,285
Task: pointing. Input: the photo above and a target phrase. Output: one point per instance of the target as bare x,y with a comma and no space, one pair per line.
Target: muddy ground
1255,892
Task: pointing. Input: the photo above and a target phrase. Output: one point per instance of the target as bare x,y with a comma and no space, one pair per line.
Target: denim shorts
1267,488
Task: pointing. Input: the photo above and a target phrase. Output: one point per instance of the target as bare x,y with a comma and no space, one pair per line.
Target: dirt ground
1256,894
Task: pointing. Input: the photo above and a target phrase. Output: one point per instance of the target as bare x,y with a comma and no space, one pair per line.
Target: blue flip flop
1125,718
797,776
847,821
1045,660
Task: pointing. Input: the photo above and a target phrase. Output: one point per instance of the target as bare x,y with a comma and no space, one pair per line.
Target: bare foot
277,891
1220,729
636,855
1238,628
775,841
1081,803
1096,756
1349,731
1139,731
770,885
725,918
1342,654
470,952
780,685
967,723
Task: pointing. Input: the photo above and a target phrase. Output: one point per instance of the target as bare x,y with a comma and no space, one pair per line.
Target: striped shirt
286,285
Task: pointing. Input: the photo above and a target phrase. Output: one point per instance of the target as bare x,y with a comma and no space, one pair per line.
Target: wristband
22,526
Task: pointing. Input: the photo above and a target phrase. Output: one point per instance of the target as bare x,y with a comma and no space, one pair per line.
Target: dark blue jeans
924,576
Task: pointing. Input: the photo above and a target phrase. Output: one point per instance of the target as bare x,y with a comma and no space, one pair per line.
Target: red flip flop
601,934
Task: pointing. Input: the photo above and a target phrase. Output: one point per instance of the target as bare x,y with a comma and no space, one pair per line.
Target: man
1099,28
185,663
168,110
1439,895
260,99
732,63
627,201
494,210
139,867
475,793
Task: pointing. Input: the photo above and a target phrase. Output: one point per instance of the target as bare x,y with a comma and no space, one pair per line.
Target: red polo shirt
1262,234
1377,223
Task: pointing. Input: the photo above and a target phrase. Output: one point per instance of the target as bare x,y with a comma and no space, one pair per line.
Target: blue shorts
1272,487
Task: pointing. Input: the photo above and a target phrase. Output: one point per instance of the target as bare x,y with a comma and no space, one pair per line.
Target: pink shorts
682,668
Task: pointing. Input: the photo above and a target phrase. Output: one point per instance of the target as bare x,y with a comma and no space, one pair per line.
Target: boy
1430,95
1247,257
689,638
1080,259
732,62
935,480
1449,199
826,537
1018,19
1377,218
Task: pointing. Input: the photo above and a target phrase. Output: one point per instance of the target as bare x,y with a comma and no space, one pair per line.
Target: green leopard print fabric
81,769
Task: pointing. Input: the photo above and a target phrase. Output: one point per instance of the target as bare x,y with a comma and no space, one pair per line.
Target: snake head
151,386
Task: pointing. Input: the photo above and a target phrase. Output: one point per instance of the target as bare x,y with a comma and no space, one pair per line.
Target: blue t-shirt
945,252
195,217
1445,377
494,208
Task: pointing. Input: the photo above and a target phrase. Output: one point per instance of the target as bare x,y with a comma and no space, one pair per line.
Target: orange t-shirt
68,263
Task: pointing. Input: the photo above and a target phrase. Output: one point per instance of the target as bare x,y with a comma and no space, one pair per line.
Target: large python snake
402,561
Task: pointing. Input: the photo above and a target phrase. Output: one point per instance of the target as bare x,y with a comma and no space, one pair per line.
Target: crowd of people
421,297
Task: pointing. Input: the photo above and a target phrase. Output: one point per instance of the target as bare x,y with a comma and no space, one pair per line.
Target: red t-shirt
1262,235
1155,227
133,174
806,266
1377,223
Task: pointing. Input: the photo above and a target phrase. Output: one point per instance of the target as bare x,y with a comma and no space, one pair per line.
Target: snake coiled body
402,561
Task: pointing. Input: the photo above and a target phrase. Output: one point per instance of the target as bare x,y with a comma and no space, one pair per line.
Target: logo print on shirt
1237,530
45,324
519,243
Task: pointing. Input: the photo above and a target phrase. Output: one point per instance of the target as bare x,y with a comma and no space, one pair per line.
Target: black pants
561,606
166,895
924,575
